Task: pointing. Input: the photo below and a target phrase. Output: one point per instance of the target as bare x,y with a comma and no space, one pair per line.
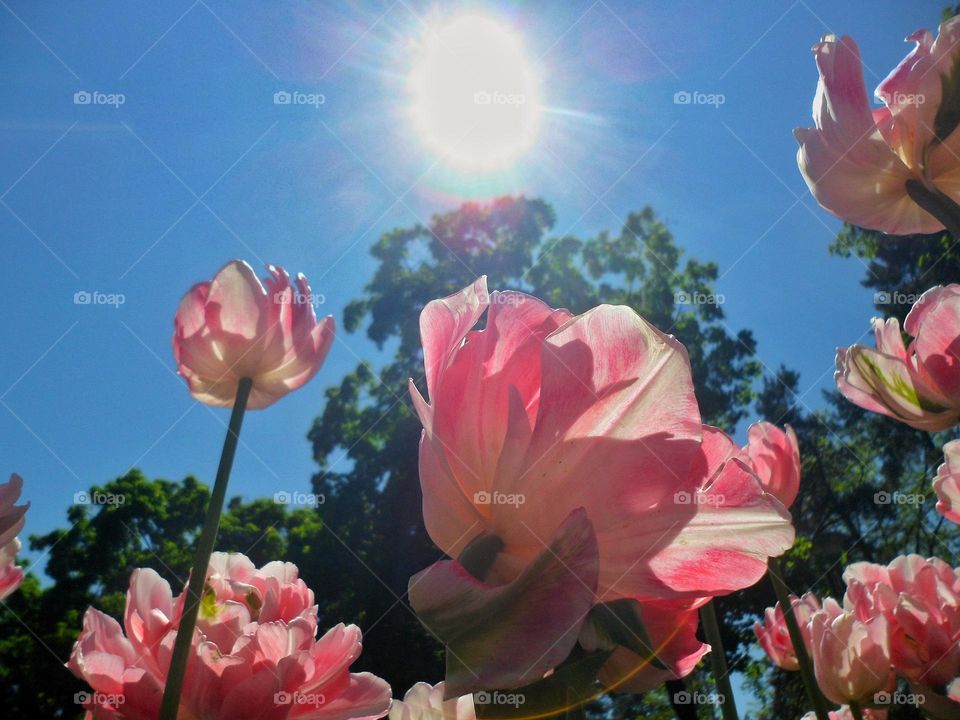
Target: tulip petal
672,626
846,162
885,385
947,483
510,635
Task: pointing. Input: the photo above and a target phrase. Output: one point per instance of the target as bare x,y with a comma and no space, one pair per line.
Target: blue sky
198,165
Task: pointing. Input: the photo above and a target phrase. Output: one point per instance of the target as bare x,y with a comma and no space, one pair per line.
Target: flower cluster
255,651
900,620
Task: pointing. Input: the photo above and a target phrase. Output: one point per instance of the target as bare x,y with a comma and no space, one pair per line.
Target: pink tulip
233,327
918,385
426,702
920,600
255,651
844,713
11,515
857,160
569,449
947,483
774,456
851,658
11,575
774,637
672,629
953,690
12,518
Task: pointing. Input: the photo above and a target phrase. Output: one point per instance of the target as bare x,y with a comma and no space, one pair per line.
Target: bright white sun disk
475,99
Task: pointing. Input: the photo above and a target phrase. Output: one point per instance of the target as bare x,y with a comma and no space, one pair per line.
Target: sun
475,99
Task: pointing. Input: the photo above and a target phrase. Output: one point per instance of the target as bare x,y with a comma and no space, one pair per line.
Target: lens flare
475,101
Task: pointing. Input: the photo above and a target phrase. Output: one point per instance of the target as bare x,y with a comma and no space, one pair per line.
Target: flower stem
855,711
796,638
937,203
198,573
721,674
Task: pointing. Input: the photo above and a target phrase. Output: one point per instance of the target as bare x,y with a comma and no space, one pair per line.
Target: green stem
721,674
937,203
198,573
855,711
796,638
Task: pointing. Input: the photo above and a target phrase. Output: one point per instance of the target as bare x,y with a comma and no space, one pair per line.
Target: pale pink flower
233,327
774,637
919,384
774,456
947,483
12,518
844,713
857,160
920,600
569,453
851,658
11,574
426,702
255,651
